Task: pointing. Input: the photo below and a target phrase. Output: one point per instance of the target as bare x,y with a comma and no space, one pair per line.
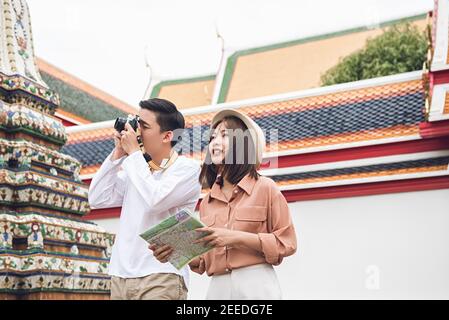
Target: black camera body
120,123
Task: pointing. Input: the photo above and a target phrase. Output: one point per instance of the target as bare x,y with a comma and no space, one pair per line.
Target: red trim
435,129
365,189
440,77
347,191
103,213
437,77
428,130
67,123
388,149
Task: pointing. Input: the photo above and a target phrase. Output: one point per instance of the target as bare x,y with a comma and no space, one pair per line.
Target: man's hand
118,151
129,139
161,253
195,263
218,237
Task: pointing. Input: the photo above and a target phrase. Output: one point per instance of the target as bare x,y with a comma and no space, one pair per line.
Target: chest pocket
250,219
208,220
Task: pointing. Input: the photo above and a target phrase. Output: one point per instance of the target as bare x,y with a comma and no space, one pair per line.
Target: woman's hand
161,253
129,139
221,237
218,237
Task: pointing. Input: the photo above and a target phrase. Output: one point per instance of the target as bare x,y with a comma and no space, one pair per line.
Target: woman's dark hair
233,170
167,116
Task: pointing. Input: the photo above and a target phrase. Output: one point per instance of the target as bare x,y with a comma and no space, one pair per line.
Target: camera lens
119,124
134,123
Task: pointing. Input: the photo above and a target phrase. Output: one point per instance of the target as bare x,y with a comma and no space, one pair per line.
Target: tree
401,48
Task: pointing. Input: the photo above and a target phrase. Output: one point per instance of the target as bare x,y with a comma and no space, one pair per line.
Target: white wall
344,244
393,246
111,225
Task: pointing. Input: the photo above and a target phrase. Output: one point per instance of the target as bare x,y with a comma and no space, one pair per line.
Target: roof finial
150,70
220,37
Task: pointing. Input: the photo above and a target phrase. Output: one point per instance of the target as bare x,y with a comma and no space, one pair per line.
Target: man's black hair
167,116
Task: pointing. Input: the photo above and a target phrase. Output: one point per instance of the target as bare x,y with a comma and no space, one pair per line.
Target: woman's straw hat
255,131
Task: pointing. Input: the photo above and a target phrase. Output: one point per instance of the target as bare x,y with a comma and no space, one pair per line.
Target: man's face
152,136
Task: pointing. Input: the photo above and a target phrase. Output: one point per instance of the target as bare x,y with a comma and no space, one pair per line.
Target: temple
47,251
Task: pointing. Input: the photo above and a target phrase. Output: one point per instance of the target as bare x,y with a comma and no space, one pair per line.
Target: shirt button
236,191
227,270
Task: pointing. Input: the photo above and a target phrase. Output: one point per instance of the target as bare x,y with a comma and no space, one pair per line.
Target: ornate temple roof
276,68
356,138
439,107
186,93
370,112
79,100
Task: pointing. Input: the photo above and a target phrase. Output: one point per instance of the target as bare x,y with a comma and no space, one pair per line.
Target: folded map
178,231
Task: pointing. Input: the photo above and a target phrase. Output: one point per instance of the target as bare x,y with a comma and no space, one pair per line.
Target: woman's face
219,144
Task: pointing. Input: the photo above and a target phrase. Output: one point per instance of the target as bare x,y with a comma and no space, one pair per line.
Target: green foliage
401,48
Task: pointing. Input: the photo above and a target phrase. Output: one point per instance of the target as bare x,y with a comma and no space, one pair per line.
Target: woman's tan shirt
256,206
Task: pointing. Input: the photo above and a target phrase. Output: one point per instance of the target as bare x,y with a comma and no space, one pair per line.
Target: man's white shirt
146,199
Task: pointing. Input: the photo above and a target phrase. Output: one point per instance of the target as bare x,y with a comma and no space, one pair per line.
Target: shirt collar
215,191
247,184
164,162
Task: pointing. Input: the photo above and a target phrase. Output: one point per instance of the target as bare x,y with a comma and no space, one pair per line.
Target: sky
108,43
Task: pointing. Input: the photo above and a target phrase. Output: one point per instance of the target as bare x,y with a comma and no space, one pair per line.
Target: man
147,194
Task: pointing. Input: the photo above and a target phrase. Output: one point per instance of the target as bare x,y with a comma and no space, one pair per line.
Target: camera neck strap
154,166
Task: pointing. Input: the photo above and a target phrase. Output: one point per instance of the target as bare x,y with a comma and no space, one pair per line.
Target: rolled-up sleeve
281,241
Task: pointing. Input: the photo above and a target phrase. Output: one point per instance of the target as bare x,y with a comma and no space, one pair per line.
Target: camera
120,123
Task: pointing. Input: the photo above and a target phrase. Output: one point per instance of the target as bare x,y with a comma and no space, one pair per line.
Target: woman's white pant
257,282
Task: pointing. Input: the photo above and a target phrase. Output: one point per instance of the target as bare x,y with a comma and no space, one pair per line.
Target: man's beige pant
158,286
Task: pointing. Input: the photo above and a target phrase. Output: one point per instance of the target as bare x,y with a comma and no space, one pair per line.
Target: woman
247,217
